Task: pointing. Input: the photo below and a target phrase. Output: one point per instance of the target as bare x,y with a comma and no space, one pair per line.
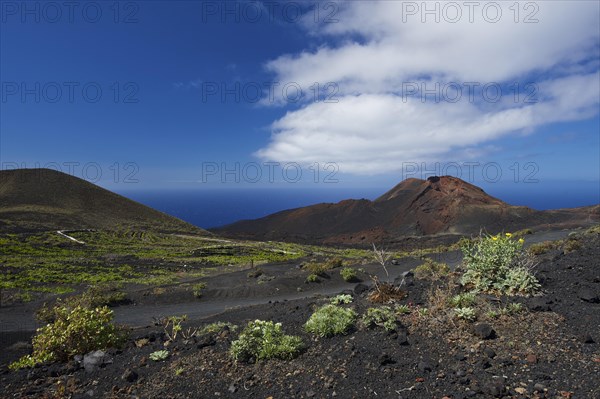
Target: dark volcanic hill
438,205
44,199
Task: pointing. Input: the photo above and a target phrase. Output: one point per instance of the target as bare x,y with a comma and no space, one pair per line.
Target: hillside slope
44,199
438,205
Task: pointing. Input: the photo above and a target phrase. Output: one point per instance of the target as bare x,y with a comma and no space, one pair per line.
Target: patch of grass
217,327
263,340
348,274
198,289
403,309
541,248
431,270
317,268
342,299
330,320
463,300
382,316
312,278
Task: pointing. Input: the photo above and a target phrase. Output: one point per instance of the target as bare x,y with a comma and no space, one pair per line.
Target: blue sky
164,121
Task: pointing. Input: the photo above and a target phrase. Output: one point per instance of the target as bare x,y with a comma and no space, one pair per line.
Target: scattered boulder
424,366
586,338
402,338
484,331
587,294
94,360
129,375
489,352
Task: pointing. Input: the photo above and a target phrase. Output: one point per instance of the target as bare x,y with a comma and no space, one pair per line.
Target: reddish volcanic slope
415,207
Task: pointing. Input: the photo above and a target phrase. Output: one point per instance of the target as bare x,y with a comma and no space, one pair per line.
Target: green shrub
217,327
466,313
265,340
312,278
541,247
463,300
431,270
330,320
95,296
348,274
571,244
317,268
159,356
498,264
198,288
341,299
74,331
383,317
334,263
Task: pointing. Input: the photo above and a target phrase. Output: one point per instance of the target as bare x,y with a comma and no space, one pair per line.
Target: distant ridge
414,207
44,199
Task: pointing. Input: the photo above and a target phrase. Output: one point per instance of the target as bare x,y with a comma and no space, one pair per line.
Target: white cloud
374,129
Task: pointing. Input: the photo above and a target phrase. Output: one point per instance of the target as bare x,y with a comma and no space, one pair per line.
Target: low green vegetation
264,340
312,278
198,289
342,299
463,300
466,313
498,264
330,320
348,274
217,327
159,356
74,331
431,270
383,316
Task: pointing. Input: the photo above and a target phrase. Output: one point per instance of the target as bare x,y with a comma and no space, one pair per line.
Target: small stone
460,356
310,394
402,338
494,387
489,352
232,388
587,339
484,331
424,366
587,294
521,390
531,358
94,360
129,375
385,359
539,387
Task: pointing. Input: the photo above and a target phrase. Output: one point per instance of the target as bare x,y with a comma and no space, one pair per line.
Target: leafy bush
317,268
330,320
95,296
466,313
159,356
334,263
198,288
74,331
312,278
217,327
541,247
341,299
348,274
383,317
463,300
265,340
499,264
571,244
431,270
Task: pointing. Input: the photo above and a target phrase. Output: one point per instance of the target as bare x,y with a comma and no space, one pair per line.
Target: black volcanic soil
550,351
